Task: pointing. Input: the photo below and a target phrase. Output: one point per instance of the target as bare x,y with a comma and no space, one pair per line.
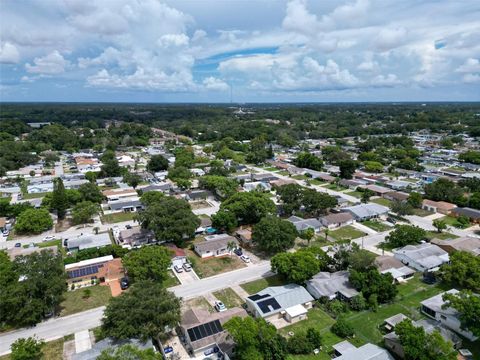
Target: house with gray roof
399,271
422,257
290,302
215,246
109,344
333,221
331,285
88,241
464,243
347,351
472,214
304,224
448,317
364,212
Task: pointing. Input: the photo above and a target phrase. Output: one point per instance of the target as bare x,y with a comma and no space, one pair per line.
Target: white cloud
470,66
51,64
212,83
390,38
389,80
471,78
9,53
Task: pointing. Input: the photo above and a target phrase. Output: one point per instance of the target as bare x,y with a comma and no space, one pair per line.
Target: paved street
62,326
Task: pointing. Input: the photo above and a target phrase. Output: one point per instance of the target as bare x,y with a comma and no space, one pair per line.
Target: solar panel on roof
204,330
258,297
83,271
268,305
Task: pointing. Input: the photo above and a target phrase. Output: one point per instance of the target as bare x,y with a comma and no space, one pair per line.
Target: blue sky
262,50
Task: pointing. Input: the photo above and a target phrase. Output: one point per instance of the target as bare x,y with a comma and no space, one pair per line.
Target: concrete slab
82,341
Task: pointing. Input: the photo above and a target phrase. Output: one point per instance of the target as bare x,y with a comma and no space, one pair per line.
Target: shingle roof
329,284
427,255
366,352
367,210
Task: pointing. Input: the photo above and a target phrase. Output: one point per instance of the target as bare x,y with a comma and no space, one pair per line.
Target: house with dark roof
204,332
472,214
399,271
290,302
396,196
304,224
333,221
464,243
364,212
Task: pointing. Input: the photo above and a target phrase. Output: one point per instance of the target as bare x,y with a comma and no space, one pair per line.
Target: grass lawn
213,266
376,225
34,195
270,168
199,302
422,212
382,201
346,233
117,217
335,187
55,242
284,172
451,221
171,281
357,194
441,236
228,297
53,350
317,182
301,177
258,285
74,301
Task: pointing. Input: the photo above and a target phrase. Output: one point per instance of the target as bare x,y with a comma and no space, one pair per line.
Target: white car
48,238
220,306
245,258
178,269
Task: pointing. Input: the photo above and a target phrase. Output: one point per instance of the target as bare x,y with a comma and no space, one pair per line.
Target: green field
382,201
117,217
442,236
346,233
33,195
228,297
258,285
357,194
451,221
376,225
75,302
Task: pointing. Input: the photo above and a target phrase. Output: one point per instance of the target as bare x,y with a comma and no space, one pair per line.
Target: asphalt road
56,328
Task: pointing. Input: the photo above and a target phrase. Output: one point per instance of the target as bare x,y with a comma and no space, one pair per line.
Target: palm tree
231,246
327,231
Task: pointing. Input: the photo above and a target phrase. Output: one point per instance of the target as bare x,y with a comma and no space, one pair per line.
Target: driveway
186,277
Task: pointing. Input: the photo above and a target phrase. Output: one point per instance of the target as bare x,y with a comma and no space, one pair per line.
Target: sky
239,50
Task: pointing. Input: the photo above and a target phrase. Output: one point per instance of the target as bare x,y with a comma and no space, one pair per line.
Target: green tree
463,269
347,168
291,196
157,163
444,190
301,265
307,234
132,179
249,207
371,282
274,235
33,221
59,198
91,192
224,221
342,328
151,197
110,167
401,208
304,342
91,176
258,151
415,199
222,186
147,310
129,352
440,225
366,195
468,305
27,349
170,219
317,203
361,259
373,166
418,345
405,235
83,212
256,339
148,263
309,161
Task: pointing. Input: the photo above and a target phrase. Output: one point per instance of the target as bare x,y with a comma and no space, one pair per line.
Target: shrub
342,329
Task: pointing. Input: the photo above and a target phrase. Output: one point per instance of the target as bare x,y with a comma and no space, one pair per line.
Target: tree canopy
33,221
249,207
274,235
467,304
462,269
148,263
129,352
157,163
27,349
405,235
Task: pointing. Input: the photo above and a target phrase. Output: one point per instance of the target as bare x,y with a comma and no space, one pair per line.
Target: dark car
128,226
238,251
391,220
18,245
124,283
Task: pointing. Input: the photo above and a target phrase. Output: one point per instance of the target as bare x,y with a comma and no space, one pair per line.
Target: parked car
220,306
31,245
65,242
178,269
124,283
187,267
6,233
391,220
128,227
18,245
238,251
48,238
245,258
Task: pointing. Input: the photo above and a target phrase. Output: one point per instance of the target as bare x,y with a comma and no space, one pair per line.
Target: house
244,235
87,241
117,194
390,323
320,175
347,351
94,351
422,257
264,177
388,264
179,256
131,204
215,245
136,236
126,161
376,189
257,185
162,187
396,196
87,272
351,184
290,302
204,332
333,221
399,184
282,182
441,207
472,214
331,285
198,171
449,317
464,243
304,224
392,342
364,212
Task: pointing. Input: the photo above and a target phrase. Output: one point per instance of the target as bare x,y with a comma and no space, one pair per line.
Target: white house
448,317
422,257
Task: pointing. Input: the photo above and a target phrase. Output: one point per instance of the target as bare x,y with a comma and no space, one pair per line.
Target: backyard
214,265
117,217
77,301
